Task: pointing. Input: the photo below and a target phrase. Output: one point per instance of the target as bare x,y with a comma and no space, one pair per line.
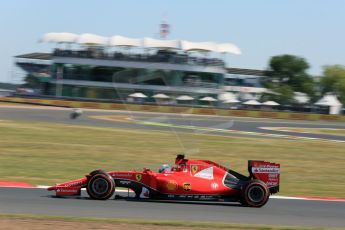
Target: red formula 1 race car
201,180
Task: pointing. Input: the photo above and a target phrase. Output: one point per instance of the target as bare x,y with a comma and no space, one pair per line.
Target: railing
172,58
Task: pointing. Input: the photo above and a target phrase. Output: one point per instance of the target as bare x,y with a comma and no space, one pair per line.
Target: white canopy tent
59,37
185,98
228,48
138,95
270,103
164,44
301,98
231,101
227,96
245,96
49,37
124,41
161,96
332,102
198,46
92,39
251,102
210,99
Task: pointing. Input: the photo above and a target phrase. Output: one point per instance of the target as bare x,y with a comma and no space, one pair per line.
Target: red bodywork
196,179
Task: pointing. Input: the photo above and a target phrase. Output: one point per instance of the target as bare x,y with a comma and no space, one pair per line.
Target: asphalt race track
275,212
246,126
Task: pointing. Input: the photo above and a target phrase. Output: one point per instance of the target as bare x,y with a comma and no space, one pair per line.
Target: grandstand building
102,69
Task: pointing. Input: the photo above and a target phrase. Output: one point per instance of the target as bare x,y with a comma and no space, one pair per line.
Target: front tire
100,186
255,193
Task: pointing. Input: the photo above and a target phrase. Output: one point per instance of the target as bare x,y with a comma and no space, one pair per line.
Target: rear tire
100,186
255,193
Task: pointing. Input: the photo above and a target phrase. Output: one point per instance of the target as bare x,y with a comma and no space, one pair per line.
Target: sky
313,29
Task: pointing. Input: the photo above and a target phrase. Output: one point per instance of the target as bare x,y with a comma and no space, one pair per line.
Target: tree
333,80
282,94
288,73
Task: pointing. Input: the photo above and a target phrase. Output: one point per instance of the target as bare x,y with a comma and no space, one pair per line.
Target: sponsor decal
265,170
171,185
121,175
138,177
272,183
187,186
194,197
214,186
73,184
67,190
205,173
194,168
124,182
273,176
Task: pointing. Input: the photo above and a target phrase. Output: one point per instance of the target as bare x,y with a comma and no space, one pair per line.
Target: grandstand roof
39,56
163,44
93,39
124,41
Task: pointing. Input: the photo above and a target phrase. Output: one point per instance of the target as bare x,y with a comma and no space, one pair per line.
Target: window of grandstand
138,76
242,80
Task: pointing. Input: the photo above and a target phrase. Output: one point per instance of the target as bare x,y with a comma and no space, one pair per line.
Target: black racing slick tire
97,171
100,186
255,193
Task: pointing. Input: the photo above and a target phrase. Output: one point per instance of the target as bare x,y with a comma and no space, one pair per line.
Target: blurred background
129,84
285,56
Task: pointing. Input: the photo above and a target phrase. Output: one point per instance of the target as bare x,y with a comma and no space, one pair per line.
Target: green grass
185,224
47,153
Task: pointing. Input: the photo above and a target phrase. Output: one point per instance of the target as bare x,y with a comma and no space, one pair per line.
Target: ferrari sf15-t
200,180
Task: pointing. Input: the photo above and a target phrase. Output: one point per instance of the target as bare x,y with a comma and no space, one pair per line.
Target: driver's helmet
164,168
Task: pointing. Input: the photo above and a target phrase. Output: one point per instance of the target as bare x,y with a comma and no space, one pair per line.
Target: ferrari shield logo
194,168
187,187
138,177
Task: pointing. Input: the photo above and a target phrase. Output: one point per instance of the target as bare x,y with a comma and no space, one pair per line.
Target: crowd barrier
176,109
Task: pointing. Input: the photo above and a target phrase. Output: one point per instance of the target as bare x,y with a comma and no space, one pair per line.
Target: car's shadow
132,199
216,203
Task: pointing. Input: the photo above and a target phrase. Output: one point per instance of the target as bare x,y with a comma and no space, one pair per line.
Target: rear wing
267,172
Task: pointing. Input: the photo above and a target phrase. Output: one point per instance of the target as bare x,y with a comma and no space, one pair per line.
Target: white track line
210,130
